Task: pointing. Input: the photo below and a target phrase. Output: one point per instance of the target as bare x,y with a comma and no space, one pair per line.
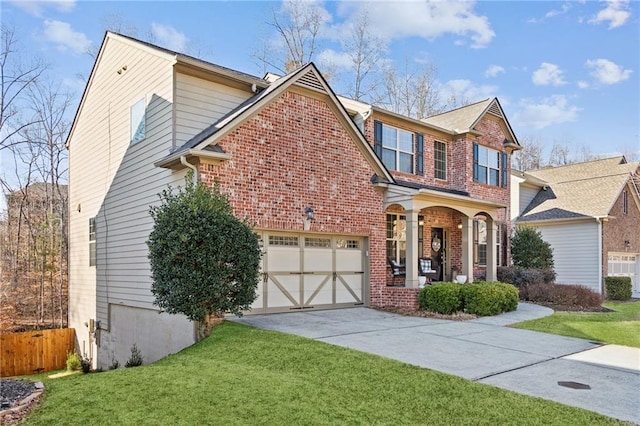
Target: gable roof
583,190
306,76
171,55
465,119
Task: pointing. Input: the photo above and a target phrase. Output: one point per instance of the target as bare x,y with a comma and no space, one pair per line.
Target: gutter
185,163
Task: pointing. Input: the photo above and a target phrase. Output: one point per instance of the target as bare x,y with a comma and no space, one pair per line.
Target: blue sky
563,71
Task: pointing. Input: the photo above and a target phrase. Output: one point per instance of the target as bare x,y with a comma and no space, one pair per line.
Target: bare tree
530,156
412,92
365,51
297,24
17,78
559,155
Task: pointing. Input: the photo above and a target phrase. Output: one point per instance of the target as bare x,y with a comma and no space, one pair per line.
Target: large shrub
489,298
522,278
204,261
529,250
443,298
568,297
618,288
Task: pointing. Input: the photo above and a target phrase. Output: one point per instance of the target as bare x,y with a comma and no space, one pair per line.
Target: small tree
204,261
529,250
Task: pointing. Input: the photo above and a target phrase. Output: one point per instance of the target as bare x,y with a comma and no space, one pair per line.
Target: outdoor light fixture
460,225
627,243
308,213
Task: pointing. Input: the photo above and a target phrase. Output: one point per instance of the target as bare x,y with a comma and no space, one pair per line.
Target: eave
202,156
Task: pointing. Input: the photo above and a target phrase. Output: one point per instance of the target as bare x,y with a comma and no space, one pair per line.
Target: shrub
567,296
85,362
489,298
524,277
73,362
529,250
135,359
443,298
618,288
115,364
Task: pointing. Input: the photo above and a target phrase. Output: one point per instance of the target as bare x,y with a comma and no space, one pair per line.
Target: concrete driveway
483,350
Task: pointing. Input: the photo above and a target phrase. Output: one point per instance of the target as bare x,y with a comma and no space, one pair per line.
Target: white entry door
310,271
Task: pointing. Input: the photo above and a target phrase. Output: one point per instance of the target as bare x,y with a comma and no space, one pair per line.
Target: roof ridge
593,177
460,107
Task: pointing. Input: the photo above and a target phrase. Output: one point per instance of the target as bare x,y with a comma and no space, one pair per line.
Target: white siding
200,103
527,194
114,181
575,253
515,196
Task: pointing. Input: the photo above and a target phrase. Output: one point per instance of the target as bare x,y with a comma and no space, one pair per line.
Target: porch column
411,262
467,248
492,254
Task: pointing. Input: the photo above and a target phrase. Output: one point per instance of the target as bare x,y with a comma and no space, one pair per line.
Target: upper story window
397,150
92,241
625,202
138,121
490,166
440,160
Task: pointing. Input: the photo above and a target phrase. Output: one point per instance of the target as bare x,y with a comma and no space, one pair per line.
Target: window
625,202
480,242
501,244
440,160
348,244
396,237
92,241
138,121
317,242
395,148
489,166
281,240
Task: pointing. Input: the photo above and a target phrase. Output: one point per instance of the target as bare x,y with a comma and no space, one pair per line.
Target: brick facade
620,228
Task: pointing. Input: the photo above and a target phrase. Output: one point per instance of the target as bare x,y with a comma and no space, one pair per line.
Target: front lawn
240,375
621,327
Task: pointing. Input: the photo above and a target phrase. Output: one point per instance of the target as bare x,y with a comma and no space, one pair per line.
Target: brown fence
35,351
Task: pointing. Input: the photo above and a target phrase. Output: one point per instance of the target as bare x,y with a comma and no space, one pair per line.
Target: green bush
73,362
443,298
489,298
529,250
135,359
618,288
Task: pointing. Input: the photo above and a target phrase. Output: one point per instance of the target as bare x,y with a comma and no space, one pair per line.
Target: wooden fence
35,351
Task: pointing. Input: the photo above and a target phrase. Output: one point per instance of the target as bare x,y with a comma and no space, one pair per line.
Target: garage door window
282,240
348,244
317,242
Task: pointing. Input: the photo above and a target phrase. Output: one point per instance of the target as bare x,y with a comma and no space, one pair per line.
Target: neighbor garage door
310,271
625,265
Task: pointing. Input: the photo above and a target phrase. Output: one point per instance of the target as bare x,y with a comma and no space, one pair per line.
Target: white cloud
607,72
65,38
552,13
616,13
335,59
37,8
429,20
74,84
545,112
548,74
583,84
169,37
493,71
466,91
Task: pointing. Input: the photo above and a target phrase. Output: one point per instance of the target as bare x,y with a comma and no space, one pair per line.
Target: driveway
484,350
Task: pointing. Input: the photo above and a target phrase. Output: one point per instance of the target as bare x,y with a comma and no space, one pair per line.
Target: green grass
621,327
245,376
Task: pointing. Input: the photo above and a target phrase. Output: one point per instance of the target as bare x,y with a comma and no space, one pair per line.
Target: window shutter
475,162
505,170
419,154
377,138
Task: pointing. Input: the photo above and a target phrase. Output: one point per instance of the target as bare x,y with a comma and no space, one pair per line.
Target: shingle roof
579,190
460,119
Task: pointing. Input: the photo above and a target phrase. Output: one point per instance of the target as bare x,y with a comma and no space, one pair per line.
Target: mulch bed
18,398
460,316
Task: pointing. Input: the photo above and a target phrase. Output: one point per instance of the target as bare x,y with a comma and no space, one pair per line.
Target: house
590,215
336,188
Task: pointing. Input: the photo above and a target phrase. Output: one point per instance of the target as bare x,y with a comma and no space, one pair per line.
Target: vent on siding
311,81
495,109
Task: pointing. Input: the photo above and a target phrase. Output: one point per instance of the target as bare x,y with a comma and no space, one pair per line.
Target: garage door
625,265
310,271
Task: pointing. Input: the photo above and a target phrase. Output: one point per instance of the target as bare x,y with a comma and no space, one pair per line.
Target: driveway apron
483,350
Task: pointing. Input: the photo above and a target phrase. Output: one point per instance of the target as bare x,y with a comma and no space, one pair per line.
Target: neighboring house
589,213
335,187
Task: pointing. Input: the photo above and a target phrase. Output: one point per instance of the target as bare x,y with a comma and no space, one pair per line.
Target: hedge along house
335,187
590,215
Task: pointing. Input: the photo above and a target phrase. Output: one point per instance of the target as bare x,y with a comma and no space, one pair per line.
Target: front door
438,251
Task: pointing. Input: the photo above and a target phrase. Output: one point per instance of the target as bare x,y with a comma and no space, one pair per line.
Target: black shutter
377,138
475,162
505,170
419,154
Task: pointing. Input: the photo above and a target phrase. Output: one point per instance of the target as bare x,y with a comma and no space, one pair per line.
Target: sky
564,72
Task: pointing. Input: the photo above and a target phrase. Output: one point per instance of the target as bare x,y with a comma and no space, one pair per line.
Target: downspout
184,162
599,220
